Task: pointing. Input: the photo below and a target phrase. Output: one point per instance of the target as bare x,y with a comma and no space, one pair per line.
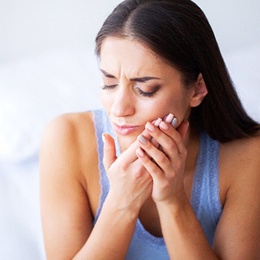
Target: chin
126,141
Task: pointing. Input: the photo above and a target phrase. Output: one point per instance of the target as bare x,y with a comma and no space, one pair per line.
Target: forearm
183,233
111,235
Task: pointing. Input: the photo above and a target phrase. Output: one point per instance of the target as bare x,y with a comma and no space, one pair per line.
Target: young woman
170,168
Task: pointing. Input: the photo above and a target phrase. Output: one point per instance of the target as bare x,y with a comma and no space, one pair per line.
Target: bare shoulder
70,125
68,162
240,161
69,129
67,137
239,167
242,152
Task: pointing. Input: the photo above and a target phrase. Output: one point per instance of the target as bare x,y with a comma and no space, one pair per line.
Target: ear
200,91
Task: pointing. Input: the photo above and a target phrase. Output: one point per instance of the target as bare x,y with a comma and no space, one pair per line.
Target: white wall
28,27
236,23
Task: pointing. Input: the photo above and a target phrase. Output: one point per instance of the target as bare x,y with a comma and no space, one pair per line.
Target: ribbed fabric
204,199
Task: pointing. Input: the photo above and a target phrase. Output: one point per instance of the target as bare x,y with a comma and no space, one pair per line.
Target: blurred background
28,27
48,67
34,33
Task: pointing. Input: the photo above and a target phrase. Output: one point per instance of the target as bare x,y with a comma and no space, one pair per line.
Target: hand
165,163
130,183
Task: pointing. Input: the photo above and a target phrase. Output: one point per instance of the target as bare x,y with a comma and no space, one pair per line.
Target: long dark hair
179,32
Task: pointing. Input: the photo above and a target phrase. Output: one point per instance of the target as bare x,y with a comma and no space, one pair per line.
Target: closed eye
108,86
147,93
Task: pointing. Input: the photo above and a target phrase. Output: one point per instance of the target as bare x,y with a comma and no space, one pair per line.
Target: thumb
109,149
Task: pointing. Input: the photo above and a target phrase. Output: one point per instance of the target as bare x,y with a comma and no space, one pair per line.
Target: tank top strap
102,125
205,198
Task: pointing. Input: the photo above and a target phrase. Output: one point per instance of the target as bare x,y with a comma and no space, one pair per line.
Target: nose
123,102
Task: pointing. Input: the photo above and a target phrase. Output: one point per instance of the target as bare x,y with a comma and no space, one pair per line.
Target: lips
125,129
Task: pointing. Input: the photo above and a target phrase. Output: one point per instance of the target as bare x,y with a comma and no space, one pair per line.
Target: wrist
120,207
175,206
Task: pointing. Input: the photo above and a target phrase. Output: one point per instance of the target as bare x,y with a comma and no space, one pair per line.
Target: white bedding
35,90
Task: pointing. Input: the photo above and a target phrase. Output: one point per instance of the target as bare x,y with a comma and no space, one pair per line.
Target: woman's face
139,87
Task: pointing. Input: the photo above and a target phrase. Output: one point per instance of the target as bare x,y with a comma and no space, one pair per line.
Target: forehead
131,56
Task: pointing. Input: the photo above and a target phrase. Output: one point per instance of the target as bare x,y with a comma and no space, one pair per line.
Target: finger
153,169
138,165
168,138
129,155
153,141
168,119
177,136
109,150
158,158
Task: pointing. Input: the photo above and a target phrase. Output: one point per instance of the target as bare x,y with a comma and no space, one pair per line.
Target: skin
146,181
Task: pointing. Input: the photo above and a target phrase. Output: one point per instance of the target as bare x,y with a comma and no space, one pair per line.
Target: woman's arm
66,215
181,230
238,233
130,186
66,212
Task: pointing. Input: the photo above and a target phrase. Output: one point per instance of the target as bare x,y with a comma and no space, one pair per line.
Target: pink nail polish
158,121
169,118
163,125
149,126
140,152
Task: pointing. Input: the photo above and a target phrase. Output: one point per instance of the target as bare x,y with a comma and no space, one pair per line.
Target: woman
169,168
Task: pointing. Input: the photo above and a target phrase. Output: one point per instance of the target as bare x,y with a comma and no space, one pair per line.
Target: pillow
36,89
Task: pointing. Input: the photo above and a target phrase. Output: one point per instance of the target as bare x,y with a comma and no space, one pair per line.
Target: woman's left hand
165,163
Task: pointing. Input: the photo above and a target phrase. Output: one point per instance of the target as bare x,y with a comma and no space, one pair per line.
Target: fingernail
142,139
163,125
140,152
158,121
174,122
169,118
149,126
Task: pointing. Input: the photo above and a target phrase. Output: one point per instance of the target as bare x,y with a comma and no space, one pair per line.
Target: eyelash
146,94
142,93
108,86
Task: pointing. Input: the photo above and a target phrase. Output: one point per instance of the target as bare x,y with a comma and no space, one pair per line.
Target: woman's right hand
130,183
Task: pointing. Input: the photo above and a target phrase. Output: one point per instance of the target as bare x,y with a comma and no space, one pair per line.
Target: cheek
105,100
151,109
177,105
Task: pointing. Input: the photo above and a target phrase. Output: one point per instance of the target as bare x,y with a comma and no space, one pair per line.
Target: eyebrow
141,79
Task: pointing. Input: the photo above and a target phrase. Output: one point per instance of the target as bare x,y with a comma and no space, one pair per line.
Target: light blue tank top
204,199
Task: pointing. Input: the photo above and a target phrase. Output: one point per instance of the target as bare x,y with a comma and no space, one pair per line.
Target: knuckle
123,166
179,140
154,168
179,166
171,146
164,184
161,158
